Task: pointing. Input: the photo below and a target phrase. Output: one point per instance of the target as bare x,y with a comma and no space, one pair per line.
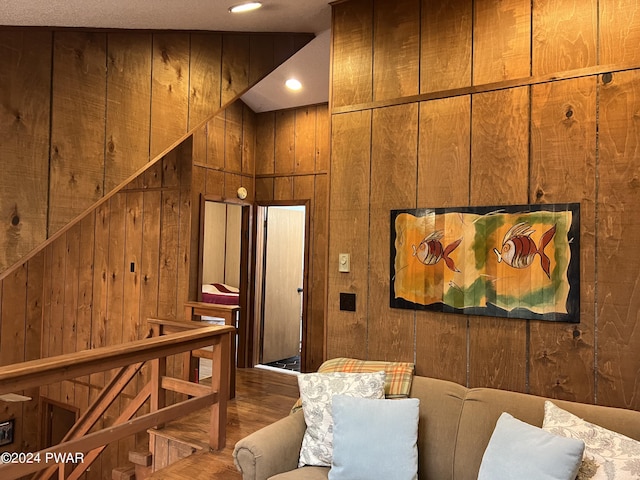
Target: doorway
224,269
57,420
281,298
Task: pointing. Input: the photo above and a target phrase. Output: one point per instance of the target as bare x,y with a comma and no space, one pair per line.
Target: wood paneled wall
83,110
112,101
480,102
292,161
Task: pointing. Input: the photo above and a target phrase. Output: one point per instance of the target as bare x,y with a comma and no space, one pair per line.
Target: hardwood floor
262,397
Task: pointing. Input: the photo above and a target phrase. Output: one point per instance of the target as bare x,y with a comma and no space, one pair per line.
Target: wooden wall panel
318,282
322,138
352,53
283,188
564,35
261,50
563,169
77,124
205,76
99,318
348,224
501,40
214,182
305,139
215,141
499,175
57,392
128,100
619,32
265,143
233,141
168,274
443,170
249,126
85,302
169,90
285,147
131,269
70,302
264,189
25,76
33,338
236,58
393,161
446,45
617,225
396,43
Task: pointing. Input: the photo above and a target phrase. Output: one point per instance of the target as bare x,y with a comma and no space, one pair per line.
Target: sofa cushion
374,439
519,450
316,391
304,473
399,375
615,455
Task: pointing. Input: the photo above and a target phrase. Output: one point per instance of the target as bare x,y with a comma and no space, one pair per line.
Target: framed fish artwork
516,261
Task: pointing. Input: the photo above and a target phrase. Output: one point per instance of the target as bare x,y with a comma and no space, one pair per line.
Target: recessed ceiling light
293,84
245,7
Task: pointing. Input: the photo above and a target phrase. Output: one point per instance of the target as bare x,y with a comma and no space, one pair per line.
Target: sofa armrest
271,450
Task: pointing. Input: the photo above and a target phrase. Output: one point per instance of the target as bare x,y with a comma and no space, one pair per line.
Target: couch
454,429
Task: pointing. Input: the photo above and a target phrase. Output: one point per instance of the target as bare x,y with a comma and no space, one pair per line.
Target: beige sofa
454,430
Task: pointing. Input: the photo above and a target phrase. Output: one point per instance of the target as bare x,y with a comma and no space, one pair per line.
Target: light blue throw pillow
519,450
374,439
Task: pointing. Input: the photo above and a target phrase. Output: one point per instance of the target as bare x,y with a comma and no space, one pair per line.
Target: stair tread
192,430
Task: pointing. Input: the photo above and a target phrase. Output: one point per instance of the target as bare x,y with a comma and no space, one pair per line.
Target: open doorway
57,419
280,285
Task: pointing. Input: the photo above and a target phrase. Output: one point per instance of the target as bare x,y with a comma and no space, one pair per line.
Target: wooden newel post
220,384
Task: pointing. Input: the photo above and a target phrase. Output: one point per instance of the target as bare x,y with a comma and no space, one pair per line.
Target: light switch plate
344,262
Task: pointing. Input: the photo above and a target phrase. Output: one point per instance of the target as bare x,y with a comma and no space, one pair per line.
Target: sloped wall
83,110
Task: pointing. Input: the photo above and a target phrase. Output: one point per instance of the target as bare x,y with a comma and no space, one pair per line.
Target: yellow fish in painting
430,250
518,249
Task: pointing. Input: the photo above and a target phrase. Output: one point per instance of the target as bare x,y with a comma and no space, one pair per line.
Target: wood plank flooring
262,397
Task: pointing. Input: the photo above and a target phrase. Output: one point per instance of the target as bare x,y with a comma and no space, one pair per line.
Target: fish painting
518,249
430,250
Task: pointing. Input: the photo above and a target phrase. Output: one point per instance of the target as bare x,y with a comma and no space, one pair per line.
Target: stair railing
73,456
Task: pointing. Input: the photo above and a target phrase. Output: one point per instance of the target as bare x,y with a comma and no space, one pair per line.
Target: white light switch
344,262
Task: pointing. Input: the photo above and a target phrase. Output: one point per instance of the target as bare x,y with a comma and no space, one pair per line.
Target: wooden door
283,280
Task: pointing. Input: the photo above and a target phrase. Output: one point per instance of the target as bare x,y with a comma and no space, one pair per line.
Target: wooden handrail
45,371
34,373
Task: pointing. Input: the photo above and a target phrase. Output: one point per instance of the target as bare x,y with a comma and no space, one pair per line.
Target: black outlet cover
348,302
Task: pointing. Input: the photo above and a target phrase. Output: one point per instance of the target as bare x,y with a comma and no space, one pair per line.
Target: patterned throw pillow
317,391
399,375
615,455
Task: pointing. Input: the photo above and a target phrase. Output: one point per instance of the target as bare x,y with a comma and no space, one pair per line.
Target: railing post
158,394
220,384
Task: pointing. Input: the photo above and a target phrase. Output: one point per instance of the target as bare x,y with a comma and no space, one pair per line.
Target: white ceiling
310,65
